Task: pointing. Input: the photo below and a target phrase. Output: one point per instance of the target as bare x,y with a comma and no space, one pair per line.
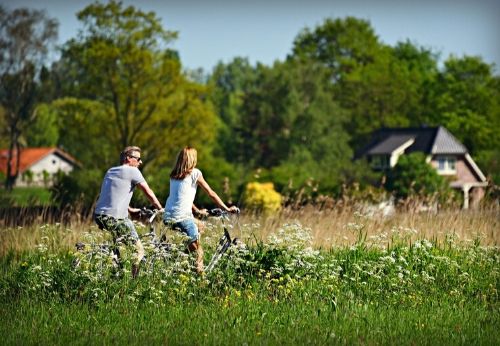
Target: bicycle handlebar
219,212
149,213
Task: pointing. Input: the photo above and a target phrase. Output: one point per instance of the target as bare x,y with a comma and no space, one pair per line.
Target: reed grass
329,228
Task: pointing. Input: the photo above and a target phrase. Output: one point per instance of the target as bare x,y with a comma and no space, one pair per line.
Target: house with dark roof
37,166
444,152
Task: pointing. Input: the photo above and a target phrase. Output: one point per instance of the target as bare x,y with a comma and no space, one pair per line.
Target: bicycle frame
225,242
160,249
112,250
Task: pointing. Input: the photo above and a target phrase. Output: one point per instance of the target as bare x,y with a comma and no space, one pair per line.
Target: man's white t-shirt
180,200
117,190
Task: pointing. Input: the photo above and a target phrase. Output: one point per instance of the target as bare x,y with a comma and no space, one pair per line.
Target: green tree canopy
127,88
343,45
283,119
378,85
468,102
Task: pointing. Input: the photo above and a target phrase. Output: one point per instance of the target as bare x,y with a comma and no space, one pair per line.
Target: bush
414,177
80,187
261,197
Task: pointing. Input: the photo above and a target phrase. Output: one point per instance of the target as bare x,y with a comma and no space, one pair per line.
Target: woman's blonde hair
186,161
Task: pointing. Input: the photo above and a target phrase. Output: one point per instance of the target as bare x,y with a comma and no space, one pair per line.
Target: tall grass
329,228
314,277
337,227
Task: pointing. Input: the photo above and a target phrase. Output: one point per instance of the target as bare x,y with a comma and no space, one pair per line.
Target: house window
446,165
380,161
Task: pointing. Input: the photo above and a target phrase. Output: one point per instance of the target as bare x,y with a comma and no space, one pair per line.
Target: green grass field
244,321
277,290
26,197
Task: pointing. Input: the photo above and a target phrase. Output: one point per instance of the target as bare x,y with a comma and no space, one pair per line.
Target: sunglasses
135,157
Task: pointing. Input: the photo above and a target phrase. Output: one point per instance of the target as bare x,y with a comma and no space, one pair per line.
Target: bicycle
158,249
107,254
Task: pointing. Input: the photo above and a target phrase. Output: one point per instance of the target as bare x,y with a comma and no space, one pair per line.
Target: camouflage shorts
122,228
117,227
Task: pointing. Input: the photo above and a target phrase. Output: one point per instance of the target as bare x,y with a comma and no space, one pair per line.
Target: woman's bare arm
213,195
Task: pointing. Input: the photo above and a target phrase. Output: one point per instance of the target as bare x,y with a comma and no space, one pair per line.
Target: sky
212,31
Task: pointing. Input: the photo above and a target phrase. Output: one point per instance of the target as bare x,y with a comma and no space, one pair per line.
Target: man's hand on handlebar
234,209
134,211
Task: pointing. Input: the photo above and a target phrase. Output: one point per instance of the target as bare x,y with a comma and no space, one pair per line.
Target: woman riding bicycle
184,180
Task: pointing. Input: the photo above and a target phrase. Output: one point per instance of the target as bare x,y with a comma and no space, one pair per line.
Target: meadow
299,276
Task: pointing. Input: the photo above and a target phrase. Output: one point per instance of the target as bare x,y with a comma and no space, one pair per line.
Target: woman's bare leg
196,246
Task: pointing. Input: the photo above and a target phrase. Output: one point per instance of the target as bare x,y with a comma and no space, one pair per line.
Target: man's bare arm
150,195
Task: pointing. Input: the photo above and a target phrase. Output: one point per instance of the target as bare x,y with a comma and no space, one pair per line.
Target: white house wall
51,164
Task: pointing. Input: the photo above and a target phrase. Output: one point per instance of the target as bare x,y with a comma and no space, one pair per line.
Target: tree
26,37
126,87
318,147
44,130
229,83
467,102
342,45
380,86
283,119
414,177
421,70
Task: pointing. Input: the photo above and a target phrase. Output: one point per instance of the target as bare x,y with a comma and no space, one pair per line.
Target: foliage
44,132
25,197
120,83
78,188
489,161
342,45
127,87
379,85
84,129
281,116
413,176
261,197
468,104
229,83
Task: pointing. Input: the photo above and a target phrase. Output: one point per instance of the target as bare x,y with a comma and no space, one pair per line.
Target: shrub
81,186
413,176
261,197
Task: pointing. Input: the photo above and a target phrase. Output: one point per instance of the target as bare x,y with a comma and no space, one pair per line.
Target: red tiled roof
30,156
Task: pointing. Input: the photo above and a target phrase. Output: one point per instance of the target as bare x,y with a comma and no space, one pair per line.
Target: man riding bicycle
112,208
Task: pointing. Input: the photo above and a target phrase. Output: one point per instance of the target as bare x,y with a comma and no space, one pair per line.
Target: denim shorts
188,227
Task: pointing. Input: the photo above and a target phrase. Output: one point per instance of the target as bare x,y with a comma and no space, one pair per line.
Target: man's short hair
127,152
